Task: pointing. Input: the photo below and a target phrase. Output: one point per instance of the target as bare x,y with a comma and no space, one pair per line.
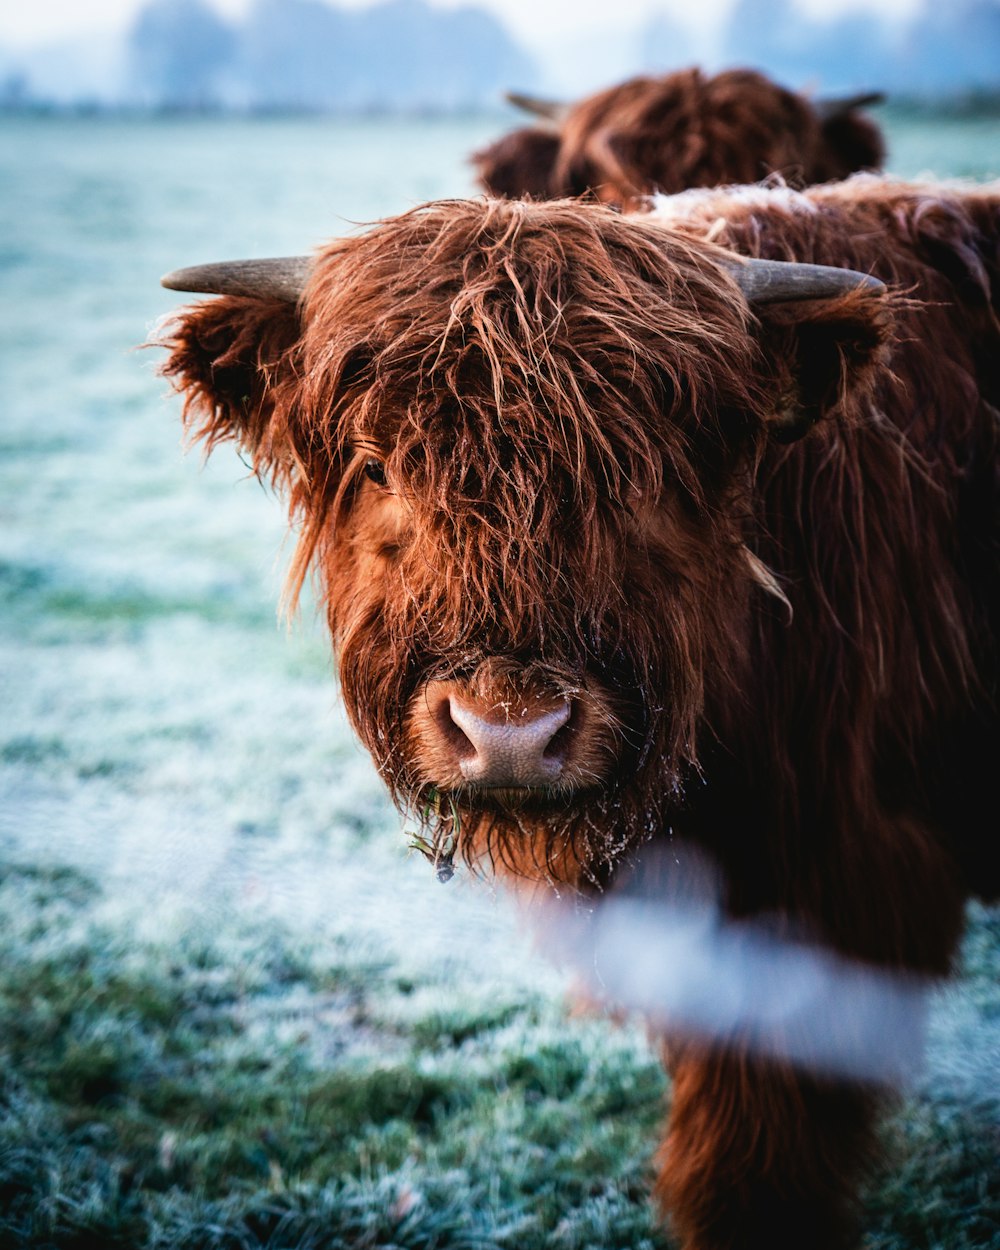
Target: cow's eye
375,472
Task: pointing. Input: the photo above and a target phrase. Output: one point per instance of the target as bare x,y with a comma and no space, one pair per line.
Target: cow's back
884,523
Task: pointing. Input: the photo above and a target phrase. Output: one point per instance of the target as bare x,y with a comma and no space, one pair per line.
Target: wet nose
494,749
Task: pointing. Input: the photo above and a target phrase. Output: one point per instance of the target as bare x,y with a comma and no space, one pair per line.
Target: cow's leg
760,1153
757,1155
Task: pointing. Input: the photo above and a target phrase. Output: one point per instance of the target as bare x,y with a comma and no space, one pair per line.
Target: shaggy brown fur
677,131
532,451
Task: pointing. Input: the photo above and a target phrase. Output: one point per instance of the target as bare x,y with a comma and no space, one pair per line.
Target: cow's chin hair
569,836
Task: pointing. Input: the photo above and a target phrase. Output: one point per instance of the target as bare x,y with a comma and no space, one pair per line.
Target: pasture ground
248,1088
234,1013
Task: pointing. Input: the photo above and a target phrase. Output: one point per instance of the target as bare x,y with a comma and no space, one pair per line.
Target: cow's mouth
540,800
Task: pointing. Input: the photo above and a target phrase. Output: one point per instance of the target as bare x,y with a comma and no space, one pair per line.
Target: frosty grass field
234,1012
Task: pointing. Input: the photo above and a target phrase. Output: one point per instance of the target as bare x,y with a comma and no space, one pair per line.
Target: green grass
257,1093
243,1090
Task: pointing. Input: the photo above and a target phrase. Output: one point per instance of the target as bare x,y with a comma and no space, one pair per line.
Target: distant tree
664,44
297,54
846,53
424,57
768,35
953,49
402,54
15,91
177,53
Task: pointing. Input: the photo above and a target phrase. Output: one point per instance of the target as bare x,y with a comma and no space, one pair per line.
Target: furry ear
852,142
519,163
824,355
233,358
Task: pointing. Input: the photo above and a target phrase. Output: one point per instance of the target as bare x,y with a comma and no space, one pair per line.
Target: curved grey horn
828,109
280,277
777,281
549,110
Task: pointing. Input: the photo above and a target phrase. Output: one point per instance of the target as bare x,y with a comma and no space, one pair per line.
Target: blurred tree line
404,54
946,50
398,55
408,55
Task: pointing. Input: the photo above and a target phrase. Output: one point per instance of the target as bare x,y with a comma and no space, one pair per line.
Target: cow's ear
519,163
852,142
233,359
823,355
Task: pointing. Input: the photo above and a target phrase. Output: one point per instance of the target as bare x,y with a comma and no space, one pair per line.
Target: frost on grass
245,1087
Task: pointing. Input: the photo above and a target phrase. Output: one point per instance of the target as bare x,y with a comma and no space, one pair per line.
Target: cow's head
674,131
521,442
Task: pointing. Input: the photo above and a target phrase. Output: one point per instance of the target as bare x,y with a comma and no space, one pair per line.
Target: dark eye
375,472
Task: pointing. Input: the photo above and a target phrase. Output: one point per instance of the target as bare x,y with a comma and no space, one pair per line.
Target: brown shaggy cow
629,544
677,131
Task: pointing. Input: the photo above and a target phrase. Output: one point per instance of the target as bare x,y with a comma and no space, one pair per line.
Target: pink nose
494,751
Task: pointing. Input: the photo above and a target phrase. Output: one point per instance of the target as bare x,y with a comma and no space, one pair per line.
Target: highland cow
675,532
676,131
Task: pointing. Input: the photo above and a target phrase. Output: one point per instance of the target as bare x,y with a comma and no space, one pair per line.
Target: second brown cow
685,129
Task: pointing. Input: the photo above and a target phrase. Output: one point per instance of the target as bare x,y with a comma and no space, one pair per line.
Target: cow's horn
838,106
777,281
281,277
548,110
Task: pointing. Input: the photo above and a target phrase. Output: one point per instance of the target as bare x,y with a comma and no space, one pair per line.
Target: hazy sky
42,20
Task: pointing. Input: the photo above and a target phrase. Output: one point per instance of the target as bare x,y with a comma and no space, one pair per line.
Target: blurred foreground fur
544,456
681,130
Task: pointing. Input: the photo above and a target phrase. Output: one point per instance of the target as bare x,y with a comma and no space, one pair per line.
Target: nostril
452,733
555,751
557,748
